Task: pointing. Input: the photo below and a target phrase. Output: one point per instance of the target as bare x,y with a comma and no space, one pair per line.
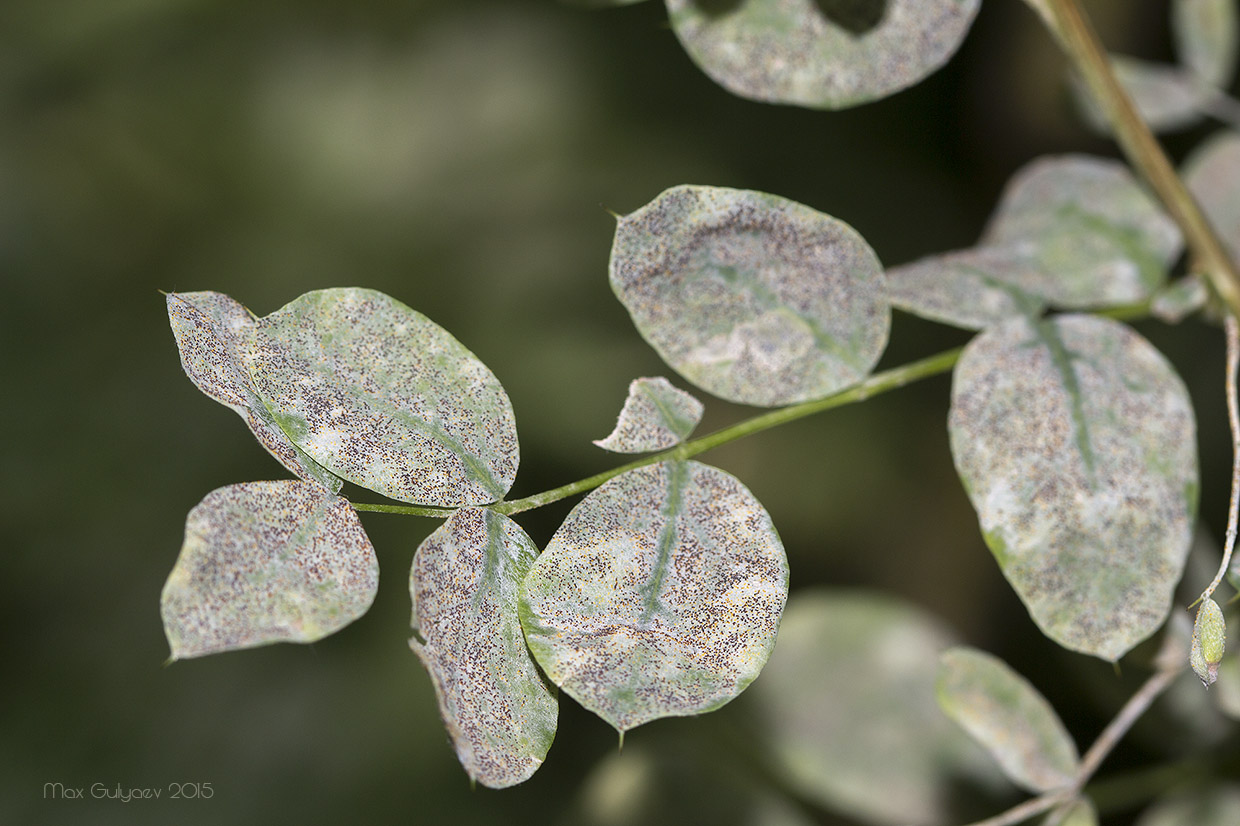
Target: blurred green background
462,156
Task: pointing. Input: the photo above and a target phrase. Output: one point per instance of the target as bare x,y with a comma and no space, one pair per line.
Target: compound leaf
384,397
1075,440
847,704
1007,715
267,562
1098,238
499,712
753,297
660,595
213,333
655,416
820,53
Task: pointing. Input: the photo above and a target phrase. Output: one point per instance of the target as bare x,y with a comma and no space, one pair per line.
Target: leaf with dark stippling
1075,440
820,53
750,296
213,333
498,710
382,396
660,595
656,416
972,288
267,562
1097,236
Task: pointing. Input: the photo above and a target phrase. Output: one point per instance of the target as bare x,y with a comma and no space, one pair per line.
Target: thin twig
1022,812
1233,418
1117,728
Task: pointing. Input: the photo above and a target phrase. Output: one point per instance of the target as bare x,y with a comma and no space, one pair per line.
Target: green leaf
599,4
1212,173
1002,711
972,288
656,416
1206,38
267,562
659,596
1217,805
752,297
1098,238
1079,812
847,704
499,712
384,397
820,53
1075,441
1177,301
213,333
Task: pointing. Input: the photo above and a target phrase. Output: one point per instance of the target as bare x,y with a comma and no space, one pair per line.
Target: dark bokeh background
460,155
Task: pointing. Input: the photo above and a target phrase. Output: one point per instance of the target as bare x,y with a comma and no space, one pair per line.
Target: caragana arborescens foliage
662,592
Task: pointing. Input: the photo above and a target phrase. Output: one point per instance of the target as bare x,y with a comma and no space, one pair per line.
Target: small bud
1209,632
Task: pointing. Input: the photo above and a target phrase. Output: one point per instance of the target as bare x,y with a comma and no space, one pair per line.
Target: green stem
876,384
1076,35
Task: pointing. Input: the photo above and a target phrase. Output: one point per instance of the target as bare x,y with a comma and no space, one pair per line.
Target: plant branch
1076,35
876,384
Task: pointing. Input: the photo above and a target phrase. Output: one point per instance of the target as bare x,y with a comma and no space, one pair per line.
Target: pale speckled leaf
1217,805
1079,812
1177,301
382,396
1212,173
1099,239
750,296
656,416
1075,440
213,333
1001,710
1168,97
1206,38
499,712
659,596
972,288
847,704
267,562
820,53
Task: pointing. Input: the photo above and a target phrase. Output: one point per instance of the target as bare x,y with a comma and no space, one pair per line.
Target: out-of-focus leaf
1002,711
656,416
1212,173
972,288
1226,691
820,53
1098,238
753,297
847,702
1168,97
1079,812
1206,38
659,596
599,4
499,712
382,396
1217,805
213,335
267,562
1075,440
1176,302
